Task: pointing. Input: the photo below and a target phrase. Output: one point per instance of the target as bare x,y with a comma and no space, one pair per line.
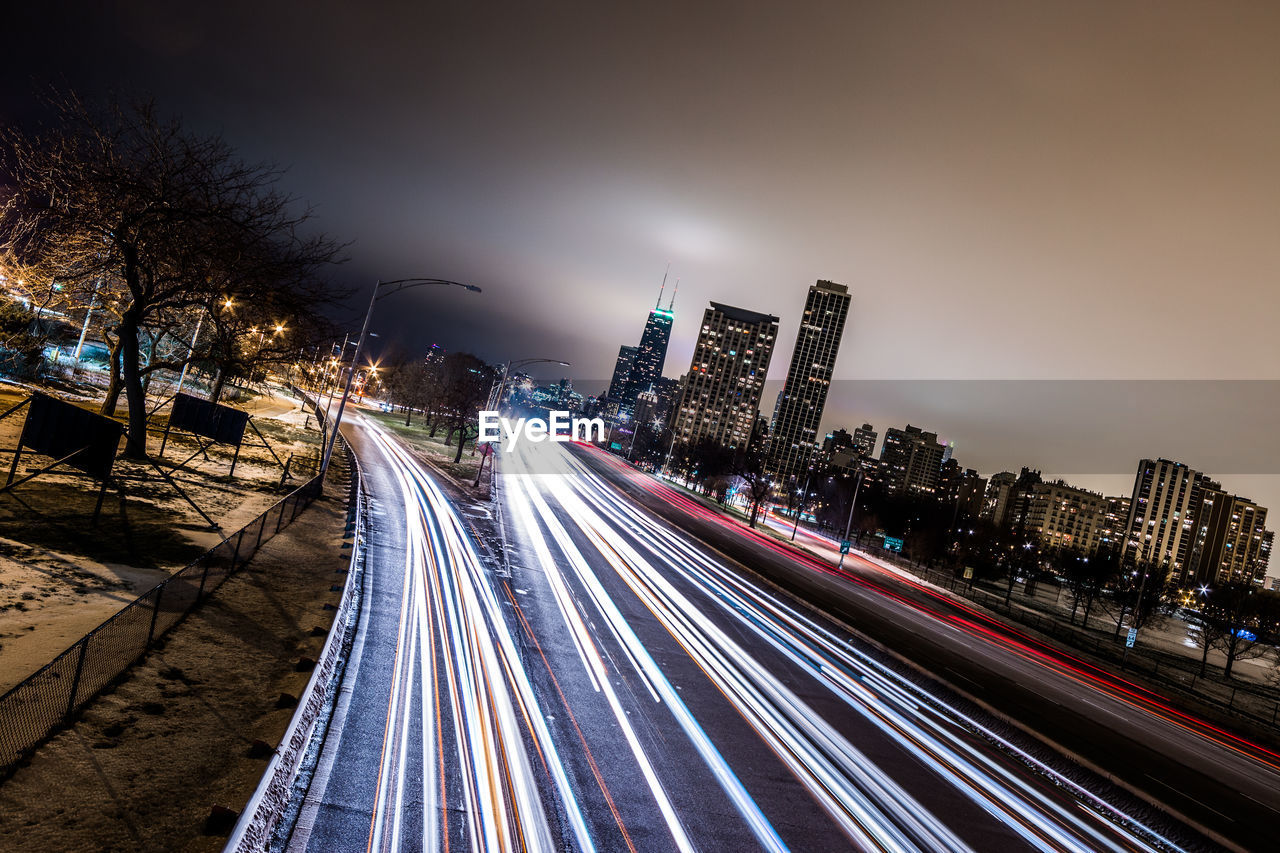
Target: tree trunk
408,415
136,445
219,382
1204,641
462,442
114,385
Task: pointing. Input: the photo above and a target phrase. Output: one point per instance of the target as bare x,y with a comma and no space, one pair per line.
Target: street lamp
399,285
848,525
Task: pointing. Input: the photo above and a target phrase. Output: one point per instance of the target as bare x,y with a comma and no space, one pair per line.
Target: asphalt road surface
1217,780
612,683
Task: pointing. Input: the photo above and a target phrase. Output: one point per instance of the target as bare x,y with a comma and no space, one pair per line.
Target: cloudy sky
1011,190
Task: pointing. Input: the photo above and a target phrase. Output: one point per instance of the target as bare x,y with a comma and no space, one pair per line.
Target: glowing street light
398,285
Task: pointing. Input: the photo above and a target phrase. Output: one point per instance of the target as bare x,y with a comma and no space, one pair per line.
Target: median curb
268,804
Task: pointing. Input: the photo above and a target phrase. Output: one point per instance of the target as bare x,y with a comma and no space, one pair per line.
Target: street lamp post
848,525
400,284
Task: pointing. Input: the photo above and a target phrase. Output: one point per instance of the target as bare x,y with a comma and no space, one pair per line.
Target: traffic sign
844,546
1131,639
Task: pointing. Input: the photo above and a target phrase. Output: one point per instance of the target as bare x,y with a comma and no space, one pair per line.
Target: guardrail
47,700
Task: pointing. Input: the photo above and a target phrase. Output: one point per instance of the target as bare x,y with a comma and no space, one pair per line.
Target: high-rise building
910,460
720,395
1111,533
1229,541
1160,528
622,373
1062,516
961,489
864,440
651,355
999,488
798,410
645,408
1019,505
838,439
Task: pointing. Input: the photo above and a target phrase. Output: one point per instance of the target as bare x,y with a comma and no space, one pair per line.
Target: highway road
609,682
1219,781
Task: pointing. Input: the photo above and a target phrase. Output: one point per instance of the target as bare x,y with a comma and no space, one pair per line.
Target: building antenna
672,305
664,286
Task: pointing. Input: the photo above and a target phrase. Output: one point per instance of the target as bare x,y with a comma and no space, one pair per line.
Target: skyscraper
864,440
1160,529
622,372
1229,533
720,395
798,410
651,355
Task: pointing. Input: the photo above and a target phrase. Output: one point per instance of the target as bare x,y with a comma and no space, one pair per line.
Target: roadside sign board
58,429
844,546
1131,639
968,573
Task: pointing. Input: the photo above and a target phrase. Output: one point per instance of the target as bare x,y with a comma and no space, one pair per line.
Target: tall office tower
1229,541
798,410
651,355
910,460
1061,516
720,396
1160,528
622,372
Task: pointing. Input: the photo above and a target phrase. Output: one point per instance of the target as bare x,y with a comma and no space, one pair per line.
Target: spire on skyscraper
658,307
671,306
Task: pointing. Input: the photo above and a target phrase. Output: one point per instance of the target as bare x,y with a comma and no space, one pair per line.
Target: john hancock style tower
798,411
646,360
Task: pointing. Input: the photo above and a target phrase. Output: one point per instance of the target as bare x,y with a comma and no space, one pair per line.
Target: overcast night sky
1010,190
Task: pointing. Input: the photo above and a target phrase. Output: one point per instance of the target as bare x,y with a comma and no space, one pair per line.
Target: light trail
1046,810
981,626
671,701
456,654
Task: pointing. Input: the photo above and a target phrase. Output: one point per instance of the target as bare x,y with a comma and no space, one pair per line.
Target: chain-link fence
48,699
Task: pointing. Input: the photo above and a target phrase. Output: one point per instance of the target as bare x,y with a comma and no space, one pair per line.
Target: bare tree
1237,620
1139,593
127,201
463,390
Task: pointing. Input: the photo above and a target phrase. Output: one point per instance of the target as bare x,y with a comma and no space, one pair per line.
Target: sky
1011,191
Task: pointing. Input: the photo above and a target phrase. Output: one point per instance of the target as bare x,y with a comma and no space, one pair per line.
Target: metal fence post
235,555
204,576
75,680
155,612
